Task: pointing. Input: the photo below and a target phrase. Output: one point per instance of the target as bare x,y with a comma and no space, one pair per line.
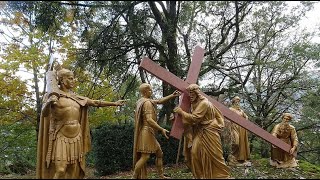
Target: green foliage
17,132
255,156
308,167
226,140
260,169
17,148
100,89
260,147
13,99
50,16
113,148
307,126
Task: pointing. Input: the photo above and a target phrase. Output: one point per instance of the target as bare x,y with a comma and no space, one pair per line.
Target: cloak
45,168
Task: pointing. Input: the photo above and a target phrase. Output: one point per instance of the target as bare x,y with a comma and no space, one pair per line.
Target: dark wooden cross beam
181,85
192,76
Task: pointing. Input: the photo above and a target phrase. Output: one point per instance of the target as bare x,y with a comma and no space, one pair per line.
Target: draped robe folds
45,167
239,138
280,158
207,159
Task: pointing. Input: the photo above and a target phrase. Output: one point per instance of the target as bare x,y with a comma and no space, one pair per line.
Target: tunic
144,135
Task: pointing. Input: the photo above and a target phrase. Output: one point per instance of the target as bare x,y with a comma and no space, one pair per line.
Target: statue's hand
292,150
177,110
53,99
176,93
164,132
121,102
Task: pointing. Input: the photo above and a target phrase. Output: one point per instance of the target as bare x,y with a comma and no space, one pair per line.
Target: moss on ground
260,169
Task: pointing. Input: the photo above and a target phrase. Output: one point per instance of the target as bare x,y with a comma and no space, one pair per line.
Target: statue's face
193,96
148,92
286,118
236,102
68,81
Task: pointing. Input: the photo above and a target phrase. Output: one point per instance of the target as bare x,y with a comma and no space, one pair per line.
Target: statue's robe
279,157
240,140
207,161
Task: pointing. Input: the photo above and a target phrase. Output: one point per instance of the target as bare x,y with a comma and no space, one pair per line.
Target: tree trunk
38,99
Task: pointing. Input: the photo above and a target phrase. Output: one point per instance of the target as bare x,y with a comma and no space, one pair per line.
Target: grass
260,169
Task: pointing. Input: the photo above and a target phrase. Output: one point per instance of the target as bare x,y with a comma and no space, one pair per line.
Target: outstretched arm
176,93
99,103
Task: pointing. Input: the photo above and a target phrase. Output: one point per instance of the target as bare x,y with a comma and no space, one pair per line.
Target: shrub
113,148
18,146
169,148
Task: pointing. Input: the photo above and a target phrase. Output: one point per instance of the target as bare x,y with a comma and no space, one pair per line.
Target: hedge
113,146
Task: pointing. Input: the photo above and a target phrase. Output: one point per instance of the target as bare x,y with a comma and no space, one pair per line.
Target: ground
260,169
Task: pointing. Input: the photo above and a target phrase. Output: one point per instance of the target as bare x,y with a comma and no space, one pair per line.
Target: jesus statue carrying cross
178,129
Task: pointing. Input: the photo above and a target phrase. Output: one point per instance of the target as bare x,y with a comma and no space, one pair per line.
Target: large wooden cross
177,128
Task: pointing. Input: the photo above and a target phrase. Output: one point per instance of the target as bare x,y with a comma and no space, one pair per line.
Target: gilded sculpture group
64,134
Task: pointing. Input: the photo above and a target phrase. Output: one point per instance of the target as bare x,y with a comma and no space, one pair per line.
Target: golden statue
207,161
288,134
146,126
64,137
240,151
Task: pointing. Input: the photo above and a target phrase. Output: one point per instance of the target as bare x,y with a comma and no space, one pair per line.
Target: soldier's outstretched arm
100,103
176,93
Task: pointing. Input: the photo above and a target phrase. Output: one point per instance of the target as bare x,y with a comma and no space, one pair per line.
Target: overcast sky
312,19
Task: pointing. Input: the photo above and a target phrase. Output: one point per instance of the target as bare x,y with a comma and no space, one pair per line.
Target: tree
269,71
253,49
17,116
308,126
135,29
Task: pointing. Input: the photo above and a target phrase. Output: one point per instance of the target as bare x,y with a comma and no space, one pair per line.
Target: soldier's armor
67,144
